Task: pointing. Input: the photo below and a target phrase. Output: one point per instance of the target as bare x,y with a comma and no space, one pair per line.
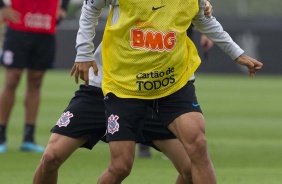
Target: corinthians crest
64,119
113,125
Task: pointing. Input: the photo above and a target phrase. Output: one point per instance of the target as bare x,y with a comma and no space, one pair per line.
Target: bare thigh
189,128
175,151
62,146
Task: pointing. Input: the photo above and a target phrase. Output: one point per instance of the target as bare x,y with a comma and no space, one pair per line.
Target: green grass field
244,132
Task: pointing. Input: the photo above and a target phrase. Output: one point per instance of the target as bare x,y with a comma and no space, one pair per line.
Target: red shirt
39,16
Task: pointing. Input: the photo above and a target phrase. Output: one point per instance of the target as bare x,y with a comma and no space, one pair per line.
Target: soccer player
80,126
149,61
83,124
29,43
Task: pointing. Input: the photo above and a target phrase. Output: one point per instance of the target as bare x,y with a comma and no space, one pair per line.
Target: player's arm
8,13
214,31
84,41
211,28
204,41
62,12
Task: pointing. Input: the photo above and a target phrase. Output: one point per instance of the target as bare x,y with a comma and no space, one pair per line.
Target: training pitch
243,118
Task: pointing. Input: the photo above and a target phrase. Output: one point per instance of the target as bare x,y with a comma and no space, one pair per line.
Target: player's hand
81,70
61,14
205,43
208,9
10,15
252,64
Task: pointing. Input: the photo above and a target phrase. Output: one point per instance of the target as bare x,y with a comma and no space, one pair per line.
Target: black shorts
28,50
85,117
154,129
126,117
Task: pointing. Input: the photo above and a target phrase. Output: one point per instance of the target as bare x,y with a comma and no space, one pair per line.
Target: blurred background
243,115
256,25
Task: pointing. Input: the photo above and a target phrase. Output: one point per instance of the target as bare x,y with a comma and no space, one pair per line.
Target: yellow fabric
147,54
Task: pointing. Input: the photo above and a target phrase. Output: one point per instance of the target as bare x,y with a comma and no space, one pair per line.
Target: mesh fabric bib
147,54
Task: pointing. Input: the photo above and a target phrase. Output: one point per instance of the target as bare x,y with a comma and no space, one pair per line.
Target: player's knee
12,85
13,79
186,174
35,84
198,146
50,162
120,170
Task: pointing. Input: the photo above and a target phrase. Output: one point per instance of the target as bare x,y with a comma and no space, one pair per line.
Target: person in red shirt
29,43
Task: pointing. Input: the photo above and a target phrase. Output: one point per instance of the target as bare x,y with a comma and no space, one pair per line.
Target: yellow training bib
147,54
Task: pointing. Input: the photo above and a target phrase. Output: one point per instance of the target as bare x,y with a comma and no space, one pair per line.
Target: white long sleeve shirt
89,20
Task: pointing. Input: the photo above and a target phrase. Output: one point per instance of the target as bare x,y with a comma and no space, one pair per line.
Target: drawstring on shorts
155,106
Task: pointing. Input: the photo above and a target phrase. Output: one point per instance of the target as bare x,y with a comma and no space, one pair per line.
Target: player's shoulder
97,4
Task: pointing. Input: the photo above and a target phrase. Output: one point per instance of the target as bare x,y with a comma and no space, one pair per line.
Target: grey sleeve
211,28
88,21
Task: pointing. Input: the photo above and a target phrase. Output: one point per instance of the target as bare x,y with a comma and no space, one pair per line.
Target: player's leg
121,161
31,103
157,136
174,150
32,95
125,121
82,124
14,59
7,99
41,54
189,127
7,96
58,150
